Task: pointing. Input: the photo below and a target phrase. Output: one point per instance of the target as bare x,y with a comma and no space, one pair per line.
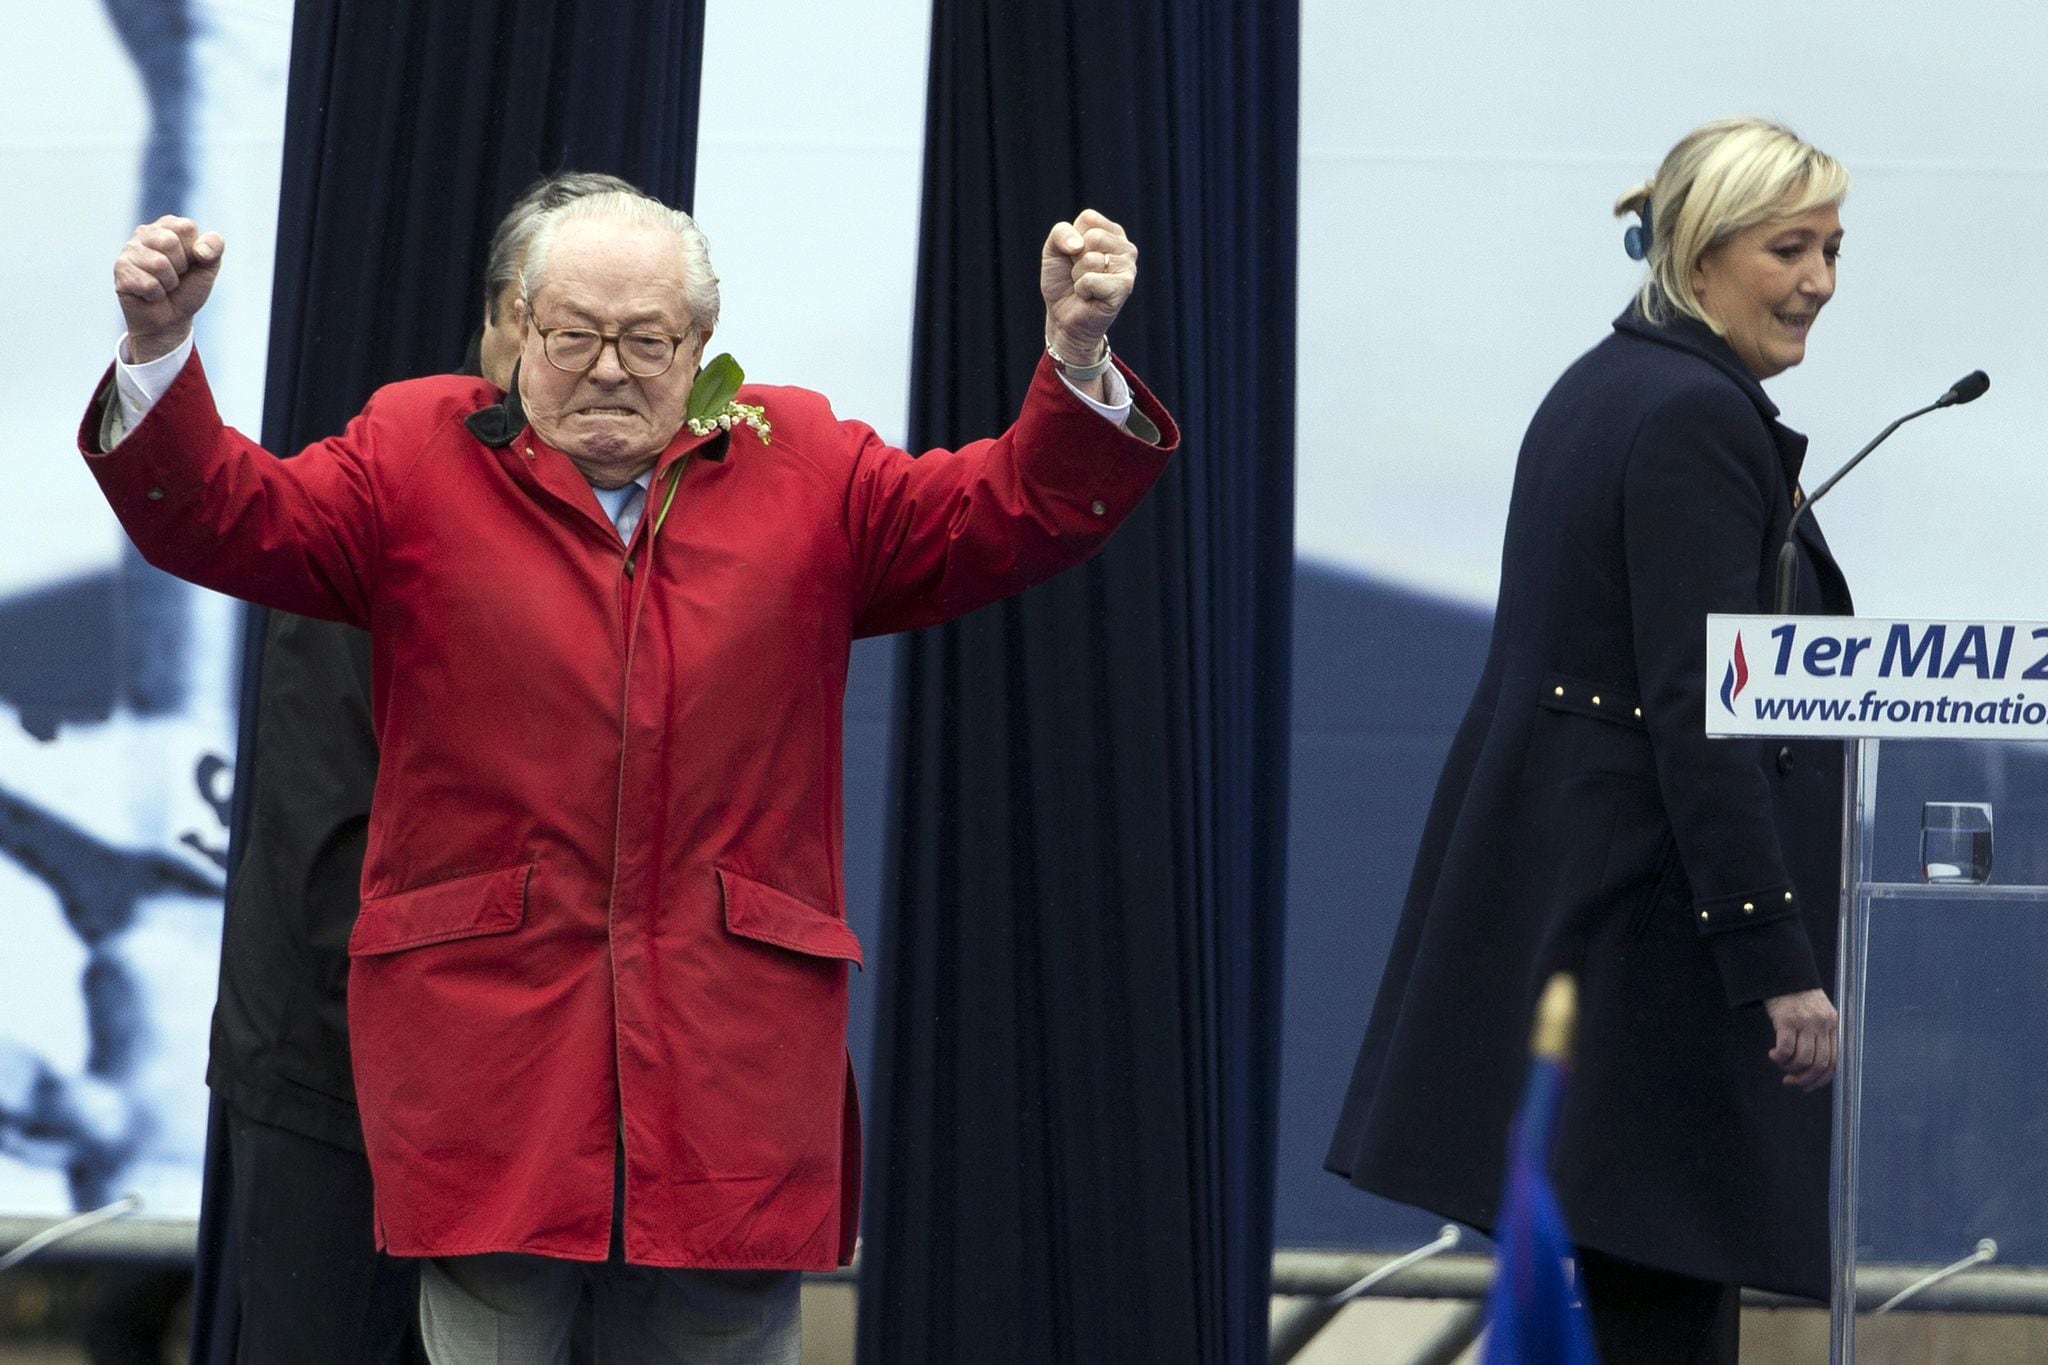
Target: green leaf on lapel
717,383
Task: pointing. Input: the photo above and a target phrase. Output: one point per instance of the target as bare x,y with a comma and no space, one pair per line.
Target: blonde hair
1721,178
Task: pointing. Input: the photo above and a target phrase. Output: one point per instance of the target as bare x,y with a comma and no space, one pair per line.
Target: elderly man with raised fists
598,984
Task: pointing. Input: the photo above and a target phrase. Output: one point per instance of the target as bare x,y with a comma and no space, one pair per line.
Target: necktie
629,511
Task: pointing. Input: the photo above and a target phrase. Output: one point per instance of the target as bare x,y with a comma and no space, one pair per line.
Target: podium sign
1940,1153
1857,677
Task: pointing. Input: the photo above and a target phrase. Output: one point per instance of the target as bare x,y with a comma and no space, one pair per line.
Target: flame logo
1736,678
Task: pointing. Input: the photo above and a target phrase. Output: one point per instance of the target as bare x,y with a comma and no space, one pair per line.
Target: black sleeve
1700,477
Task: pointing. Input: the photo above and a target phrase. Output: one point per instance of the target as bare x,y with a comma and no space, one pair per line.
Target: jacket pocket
1561,693
1579,730
460,907
758,911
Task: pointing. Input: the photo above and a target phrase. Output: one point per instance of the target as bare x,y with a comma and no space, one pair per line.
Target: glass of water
1955,842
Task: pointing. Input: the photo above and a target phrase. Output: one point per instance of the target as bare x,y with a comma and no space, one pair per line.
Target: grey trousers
506,1309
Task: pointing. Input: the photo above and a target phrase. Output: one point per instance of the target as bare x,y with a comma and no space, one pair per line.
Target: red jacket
603,889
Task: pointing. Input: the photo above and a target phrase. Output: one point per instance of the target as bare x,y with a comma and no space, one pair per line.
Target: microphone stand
1788,554
1965,390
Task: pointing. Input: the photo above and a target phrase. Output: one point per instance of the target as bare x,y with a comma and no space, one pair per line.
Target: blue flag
1534,1314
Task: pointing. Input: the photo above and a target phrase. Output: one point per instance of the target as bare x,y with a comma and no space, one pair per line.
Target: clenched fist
1086,273
162,278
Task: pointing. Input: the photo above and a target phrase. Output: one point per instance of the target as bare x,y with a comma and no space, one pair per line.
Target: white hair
700,285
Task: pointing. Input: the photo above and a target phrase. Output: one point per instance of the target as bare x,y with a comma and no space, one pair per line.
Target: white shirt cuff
137,389
1118,408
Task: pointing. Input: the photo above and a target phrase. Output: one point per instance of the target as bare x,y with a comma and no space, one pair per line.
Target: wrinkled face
609,277
1767,284
503,337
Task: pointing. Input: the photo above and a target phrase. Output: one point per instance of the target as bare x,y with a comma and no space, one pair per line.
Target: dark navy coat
1584,822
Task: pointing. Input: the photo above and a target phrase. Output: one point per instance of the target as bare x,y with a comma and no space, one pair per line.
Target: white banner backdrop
1457,253
116,683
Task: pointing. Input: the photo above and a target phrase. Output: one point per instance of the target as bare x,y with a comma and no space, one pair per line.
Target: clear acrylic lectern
1940,1174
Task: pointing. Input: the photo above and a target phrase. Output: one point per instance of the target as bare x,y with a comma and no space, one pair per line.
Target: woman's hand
1805,1046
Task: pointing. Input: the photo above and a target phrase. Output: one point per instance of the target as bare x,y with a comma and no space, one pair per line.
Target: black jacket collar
503,420
1689,334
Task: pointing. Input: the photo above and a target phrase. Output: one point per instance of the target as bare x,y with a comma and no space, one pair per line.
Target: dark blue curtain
1079,1018
410,129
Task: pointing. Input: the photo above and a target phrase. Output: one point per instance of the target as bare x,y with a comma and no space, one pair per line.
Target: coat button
156,495
1099,508
629,566
1785,760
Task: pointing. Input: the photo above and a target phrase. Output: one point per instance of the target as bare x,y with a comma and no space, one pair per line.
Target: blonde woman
1584,822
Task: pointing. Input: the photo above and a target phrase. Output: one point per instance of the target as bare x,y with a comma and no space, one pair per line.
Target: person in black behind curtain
313,1286
1584,821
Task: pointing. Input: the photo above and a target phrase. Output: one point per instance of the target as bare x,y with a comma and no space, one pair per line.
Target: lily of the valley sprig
713,407
742,414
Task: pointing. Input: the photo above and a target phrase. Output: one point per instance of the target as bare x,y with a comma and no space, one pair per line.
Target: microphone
1968,389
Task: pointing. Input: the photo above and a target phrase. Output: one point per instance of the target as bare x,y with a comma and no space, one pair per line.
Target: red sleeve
938,535
205,503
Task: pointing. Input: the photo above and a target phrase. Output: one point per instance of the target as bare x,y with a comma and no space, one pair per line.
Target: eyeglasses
575,350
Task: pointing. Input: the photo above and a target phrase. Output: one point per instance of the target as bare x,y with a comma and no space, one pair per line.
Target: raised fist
162,278
1086,272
